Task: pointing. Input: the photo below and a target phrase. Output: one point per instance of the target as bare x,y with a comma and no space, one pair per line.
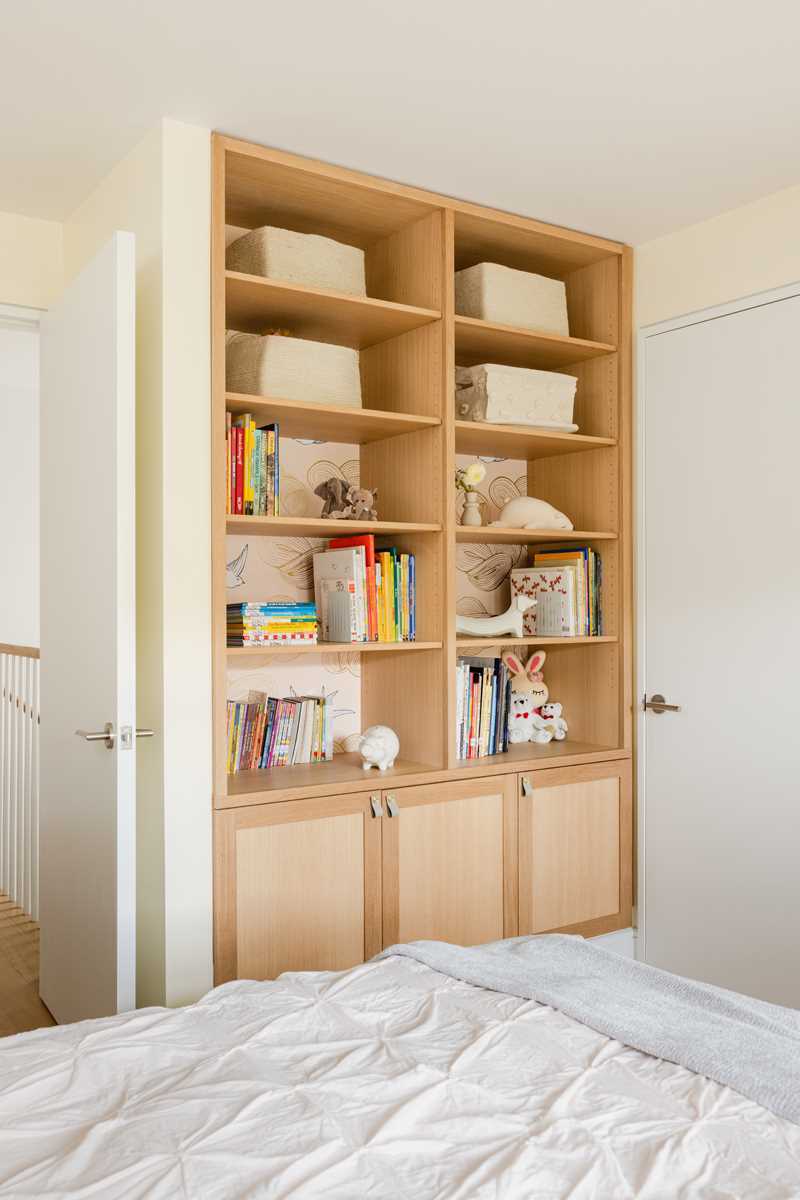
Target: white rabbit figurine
526,512
379,746
528,694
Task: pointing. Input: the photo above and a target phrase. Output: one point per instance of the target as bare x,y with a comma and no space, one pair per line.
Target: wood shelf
525,245
329,648
529,756
254,304
485,535
465,642
521,441
329,422
317,527
271,783
485,342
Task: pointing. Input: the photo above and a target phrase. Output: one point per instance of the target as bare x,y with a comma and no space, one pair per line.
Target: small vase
471,513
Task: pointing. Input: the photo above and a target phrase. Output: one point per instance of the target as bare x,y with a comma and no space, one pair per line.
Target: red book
239,470
367,540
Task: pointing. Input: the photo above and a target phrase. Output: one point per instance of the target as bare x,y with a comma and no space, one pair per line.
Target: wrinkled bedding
390,1080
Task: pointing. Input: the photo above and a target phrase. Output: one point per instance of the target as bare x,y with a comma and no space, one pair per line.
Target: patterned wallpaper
262,568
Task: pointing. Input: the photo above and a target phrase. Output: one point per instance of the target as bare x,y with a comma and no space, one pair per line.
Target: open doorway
20,1006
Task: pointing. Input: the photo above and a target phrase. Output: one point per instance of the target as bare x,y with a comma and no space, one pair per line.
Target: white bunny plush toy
528,694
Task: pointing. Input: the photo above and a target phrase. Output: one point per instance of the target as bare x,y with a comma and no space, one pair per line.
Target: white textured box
303,258
290,368
515,396
509,297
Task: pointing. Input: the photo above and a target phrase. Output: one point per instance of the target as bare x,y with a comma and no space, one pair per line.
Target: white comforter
390,1080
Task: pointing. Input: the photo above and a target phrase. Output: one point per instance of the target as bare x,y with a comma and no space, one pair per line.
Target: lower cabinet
575,849
325,883
448,862
297,887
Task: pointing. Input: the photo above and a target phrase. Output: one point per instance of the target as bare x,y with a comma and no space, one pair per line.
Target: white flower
474,474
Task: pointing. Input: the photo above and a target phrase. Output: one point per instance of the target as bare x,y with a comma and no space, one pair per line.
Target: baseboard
621,941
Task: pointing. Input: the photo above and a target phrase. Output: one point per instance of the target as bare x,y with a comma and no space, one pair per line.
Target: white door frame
696,317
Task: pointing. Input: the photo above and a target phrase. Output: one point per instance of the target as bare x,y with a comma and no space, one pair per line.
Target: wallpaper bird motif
267,568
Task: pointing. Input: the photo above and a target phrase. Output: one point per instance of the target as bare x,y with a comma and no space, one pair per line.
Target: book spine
239,470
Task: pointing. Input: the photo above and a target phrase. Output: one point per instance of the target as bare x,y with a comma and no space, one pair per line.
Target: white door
721,584
87,787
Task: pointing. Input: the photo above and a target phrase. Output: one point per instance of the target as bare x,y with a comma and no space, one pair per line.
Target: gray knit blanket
748,1045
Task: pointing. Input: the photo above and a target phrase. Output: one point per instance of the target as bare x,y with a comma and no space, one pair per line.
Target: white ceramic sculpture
379,746
508,623
526,512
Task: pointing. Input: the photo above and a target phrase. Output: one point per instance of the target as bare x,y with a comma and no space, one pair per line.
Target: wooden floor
20,1006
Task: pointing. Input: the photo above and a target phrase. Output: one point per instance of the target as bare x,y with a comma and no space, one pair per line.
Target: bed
393,1079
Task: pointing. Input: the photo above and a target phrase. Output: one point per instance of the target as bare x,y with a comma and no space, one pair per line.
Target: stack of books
271,624
483,697
566,584
363,594
265,731
253,479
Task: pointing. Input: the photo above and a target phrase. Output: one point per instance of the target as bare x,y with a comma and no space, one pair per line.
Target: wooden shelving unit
354,426
254,303
334,648
410,340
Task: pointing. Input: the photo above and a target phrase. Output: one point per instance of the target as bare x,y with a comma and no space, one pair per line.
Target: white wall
31,267
19,480
738,253
161,192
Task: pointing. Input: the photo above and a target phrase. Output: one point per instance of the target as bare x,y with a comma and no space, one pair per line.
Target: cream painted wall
736,254
160,192
31,265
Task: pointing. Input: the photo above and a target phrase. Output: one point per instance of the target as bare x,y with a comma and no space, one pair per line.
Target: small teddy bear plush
361,503
553,720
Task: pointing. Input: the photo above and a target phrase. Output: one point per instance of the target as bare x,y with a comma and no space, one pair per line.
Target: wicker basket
515,396
303,258
292,368
508,297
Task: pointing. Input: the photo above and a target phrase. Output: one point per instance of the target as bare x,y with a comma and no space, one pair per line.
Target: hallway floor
20,1006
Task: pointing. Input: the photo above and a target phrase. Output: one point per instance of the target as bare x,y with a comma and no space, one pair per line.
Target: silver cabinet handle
527,786
106,735
658,704
391,805
375,805
145,733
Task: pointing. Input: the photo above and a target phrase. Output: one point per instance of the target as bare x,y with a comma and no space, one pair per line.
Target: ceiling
626,119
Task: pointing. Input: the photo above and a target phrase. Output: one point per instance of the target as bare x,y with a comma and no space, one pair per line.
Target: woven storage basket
292,368
515,396
303,258
508,297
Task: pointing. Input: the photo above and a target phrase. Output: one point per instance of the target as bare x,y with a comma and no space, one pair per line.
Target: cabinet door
449,862
297,887
575,864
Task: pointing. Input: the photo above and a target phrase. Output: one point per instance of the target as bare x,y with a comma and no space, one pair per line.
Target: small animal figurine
361,502
333,492
553,721
344,502
528,694
507,623
379,746
526,512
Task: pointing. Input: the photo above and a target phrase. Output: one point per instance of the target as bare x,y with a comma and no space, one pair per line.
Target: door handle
391,804
375,805
145,733
106,735
658,704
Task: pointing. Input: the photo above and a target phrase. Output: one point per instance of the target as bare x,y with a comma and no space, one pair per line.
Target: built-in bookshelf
406,439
